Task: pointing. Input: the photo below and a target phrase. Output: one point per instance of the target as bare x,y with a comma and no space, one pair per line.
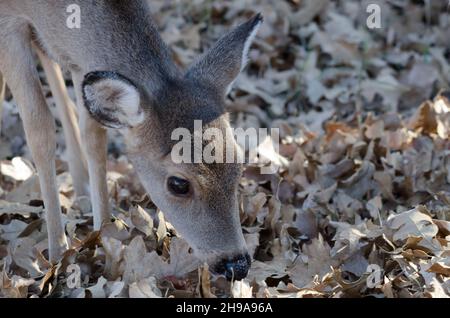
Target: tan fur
38,123
68,117
2,97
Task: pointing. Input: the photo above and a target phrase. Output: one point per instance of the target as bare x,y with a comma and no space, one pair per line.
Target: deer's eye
178,186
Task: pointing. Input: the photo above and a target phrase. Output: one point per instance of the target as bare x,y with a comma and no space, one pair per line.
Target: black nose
234,268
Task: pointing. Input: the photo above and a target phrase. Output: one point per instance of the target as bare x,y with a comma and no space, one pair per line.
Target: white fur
127,104
248,43
130,103
245,58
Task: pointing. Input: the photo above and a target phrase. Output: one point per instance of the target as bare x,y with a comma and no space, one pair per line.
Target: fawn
125,79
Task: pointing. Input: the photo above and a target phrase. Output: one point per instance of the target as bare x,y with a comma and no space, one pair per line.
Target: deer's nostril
234,268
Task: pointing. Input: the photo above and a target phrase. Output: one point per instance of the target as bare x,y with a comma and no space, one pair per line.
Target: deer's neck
114,36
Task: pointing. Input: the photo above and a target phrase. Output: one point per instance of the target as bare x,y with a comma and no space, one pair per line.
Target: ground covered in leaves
360,204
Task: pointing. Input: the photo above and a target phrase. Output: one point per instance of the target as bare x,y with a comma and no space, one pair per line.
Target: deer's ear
112,99
223,62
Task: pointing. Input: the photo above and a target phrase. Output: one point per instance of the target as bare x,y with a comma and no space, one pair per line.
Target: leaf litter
364,167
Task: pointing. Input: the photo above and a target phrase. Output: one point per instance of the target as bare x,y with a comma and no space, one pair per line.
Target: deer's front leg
2,97
16,62
94,142
67,115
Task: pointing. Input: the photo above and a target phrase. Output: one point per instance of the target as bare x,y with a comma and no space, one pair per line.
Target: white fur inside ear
129,103
118,98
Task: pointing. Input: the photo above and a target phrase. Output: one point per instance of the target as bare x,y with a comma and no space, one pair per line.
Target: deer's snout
234,268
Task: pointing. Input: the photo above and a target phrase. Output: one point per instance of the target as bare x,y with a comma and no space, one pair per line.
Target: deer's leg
2,88
65,107
95,145
16,63
2,97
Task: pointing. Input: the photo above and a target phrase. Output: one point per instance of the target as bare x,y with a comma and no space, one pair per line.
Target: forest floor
360,205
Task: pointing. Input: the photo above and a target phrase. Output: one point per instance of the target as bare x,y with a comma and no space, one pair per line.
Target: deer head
198,198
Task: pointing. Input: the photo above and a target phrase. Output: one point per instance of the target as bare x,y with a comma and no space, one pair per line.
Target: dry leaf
241,289
145,288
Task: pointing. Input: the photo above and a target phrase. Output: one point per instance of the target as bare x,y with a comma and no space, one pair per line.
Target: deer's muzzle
234,268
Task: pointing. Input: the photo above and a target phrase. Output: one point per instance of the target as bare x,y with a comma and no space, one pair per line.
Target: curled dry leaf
415,223
315,260
141,220
205,283
18,168
145,288
15,287
241,289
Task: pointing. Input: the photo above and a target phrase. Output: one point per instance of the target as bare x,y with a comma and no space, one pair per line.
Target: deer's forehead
220,176
187,97
200,122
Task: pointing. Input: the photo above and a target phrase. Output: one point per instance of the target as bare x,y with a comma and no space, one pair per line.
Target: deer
125,79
